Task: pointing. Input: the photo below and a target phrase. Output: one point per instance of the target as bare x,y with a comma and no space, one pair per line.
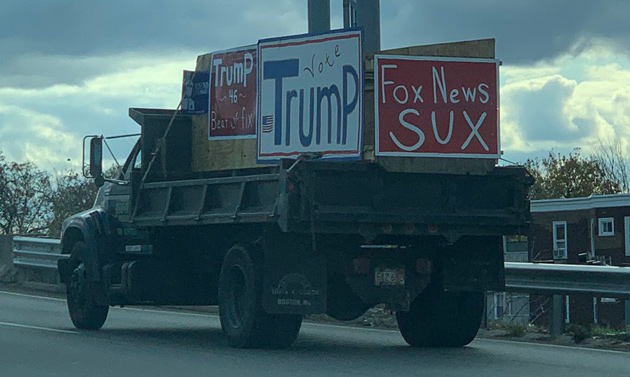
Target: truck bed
345,197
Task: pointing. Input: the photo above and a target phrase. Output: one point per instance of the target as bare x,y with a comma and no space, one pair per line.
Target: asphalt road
37,339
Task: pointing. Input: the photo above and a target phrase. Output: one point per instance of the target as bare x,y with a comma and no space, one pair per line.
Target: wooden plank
482,48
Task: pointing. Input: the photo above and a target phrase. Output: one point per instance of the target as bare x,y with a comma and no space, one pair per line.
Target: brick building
576,230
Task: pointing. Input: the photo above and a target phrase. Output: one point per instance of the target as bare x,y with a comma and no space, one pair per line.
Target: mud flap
294,275
475,264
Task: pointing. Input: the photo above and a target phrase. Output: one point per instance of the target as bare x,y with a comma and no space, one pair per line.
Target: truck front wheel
85,312
442,319
243,319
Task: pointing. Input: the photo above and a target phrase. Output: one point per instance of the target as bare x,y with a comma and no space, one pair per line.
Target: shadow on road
312,346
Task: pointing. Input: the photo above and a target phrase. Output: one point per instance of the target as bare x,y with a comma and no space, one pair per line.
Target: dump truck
272,242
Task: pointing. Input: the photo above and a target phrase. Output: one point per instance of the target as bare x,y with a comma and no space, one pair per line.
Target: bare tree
25,194
72,194
614,161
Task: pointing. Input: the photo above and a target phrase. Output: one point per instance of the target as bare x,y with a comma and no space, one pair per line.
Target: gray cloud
526,31
67,43
48,42
35,35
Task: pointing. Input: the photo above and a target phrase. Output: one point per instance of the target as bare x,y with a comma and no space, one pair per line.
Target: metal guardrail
557,279
538,278
33,252
565,279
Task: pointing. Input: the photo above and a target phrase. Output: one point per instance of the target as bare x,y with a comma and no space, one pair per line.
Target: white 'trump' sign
310,96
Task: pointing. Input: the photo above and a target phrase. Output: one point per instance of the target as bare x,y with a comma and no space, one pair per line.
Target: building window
626,221
559,240
606,226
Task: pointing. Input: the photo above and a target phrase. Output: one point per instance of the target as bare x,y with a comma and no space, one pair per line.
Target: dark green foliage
579,332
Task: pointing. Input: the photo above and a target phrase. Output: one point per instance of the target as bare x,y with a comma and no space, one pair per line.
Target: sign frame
210,87
379,153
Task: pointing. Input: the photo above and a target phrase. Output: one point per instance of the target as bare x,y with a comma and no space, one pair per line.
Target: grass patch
513,330
582,332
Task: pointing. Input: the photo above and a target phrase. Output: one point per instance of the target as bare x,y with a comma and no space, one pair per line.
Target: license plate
389,276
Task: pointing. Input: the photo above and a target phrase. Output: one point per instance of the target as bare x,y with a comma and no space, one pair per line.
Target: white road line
31,296
534,344
37,328
168,312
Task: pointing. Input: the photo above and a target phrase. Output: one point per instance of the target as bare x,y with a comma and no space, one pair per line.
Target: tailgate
339,197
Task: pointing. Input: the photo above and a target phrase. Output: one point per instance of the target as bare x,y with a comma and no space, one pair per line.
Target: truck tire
85,312
242,317
442,319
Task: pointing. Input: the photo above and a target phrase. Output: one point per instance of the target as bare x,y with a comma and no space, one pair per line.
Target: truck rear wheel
85,312
442,319
243,319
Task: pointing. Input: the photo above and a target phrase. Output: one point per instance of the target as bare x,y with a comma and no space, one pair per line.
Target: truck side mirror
96,157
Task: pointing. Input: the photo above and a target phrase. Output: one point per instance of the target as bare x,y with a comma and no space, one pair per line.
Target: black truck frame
272,244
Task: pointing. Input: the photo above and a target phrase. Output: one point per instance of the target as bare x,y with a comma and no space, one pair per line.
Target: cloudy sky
73,67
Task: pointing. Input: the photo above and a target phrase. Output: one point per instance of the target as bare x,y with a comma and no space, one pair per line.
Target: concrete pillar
6,258
557,316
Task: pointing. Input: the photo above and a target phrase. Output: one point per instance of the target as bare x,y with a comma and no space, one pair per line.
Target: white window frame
567,303
600,226
626,221
499,301
564,251
592,235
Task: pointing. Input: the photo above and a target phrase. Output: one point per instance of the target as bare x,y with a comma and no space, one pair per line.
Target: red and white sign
436,107
232,99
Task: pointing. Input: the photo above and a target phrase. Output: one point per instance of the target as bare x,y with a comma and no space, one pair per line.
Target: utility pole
318,16
356,13
367,15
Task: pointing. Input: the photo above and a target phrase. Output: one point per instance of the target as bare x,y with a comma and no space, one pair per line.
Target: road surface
37,339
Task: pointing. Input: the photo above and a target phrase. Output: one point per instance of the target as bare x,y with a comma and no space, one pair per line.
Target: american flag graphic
267,123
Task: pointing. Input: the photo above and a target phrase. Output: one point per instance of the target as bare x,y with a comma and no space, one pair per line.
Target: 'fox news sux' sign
310,96
436,107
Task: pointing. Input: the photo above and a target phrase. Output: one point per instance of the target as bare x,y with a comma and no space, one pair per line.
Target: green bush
579,332
515,330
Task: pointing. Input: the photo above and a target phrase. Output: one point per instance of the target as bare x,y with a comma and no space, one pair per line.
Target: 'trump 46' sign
232,106
436,107
310,96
